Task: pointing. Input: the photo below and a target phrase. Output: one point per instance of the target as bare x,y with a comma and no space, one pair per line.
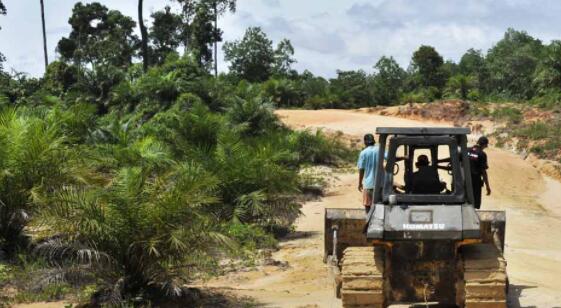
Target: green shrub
144,235
414,97
509,114
256,185
187,100
535,131
52,292
549,100
5,274
479,109
546,134
189,130
283,93
318,148
34,158
474,95
317,102
130,184
255,114
250,236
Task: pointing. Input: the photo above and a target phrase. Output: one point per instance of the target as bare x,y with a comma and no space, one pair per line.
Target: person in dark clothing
425,180
478,165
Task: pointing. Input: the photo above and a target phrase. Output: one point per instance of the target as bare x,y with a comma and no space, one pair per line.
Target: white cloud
272,3
327,34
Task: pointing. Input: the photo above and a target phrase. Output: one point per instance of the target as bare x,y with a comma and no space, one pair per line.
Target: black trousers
477,183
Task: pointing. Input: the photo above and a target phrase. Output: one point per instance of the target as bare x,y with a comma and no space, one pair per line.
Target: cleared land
533,248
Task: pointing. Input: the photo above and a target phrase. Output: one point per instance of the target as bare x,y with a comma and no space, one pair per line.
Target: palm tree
44,35
215,42
220,7
144,34
460,85
34,158
145,234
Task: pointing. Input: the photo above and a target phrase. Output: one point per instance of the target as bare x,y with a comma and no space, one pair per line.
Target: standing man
367,165
479,166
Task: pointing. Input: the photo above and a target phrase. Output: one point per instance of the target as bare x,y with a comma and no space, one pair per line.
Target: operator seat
426,181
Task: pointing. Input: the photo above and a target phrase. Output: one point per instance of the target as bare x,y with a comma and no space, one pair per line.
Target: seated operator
425,180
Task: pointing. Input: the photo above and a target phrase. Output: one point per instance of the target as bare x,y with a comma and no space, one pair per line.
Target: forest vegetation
127,182
131,168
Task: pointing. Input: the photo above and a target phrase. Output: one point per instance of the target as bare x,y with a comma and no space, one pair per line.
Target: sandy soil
533,245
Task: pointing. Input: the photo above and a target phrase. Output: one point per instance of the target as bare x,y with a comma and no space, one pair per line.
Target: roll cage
412,139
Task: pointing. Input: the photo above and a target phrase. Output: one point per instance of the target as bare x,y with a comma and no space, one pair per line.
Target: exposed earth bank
533,245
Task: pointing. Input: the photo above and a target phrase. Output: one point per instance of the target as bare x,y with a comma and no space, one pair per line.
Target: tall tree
449,68
44,35
220,7
252,57
200,27
472,64
215,42
283,57
313,85
548,73
352,89
2,12
99,36
459,86
144,35
512,63
388,81
203,35
427,63
165,33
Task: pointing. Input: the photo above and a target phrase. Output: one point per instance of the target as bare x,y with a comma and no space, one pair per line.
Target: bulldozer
412,247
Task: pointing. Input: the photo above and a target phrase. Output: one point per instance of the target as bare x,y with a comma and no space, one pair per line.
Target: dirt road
533,245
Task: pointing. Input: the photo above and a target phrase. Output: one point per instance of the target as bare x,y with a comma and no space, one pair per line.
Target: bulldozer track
363,278
485,280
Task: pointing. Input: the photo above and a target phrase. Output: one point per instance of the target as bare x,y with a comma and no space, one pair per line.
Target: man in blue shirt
367,165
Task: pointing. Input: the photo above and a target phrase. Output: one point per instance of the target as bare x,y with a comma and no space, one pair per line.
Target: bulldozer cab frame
431,139
418,245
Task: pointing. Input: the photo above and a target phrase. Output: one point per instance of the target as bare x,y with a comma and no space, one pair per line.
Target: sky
327,35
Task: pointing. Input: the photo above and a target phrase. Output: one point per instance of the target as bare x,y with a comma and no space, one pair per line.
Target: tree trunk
44,36
144,34
215,41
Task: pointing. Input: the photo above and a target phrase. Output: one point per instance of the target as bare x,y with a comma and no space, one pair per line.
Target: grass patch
549,101
540,138
535,131
250,237
509,114
320,148
51,292
478,109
